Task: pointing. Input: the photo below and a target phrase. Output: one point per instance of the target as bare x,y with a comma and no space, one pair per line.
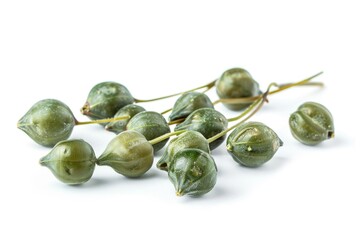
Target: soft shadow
218,193
93,182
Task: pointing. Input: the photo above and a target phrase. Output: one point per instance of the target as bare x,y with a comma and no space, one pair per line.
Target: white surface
60,50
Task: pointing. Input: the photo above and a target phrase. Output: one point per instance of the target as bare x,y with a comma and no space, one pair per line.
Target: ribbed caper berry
151,125
312,123
206,121
188,139
193,172
105,99
253,144
188,103
129,154
127,111
237,83
48,122
71,161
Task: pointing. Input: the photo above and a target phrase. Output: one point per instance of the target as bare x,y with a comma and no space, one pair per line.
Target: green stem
106,120
281,87
207,86
251,110
165,136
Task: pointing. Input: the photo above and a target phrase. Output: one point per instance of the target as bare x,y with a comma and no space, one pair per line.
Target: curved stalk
207,86
106,120
165,136
281,87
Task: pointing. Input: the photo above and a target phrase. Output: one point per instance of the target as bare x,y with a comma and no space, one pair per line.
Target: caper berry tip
85,110
179,193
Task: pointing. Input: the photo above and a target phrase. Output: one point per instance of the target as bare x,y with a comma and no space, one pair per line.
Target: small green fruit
253,144
312,123
128,111
188,139
151,125
105,99
129,154
188,103
206,121
71,161
48,122
237,83
193,172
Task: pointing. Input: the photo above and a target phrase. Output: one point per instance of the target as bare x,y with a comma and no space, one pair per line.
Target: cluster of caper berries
200,128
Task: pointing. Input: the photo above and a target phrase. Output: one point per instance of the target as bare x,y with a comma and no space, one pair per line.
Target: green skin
151,125
105,99
129,154
312,123
188,103
253,144
128,111
237,83
208,122
193,172
188,139
71,161
48,122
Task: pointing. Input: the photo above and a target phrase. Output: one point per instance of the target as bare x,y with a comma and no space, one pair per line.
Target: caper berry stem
165,136
251,110
106,120
281,87
208,86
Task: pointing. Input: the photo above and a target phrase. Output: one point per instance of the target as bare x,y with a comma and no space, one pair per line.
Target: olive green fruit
105,99
129,154
188,139
253,144
151,125
188,103
127,111
71,161
237,83
48,122
193,172
208,122
312,123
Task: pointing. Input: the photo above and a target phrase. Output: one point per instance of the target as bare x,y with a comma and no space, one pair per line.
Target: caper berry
71,161
129,154
253,144
208,122
151,125
127,111
48,122
237,83
193,172
188,103
188,139
312,123
105,99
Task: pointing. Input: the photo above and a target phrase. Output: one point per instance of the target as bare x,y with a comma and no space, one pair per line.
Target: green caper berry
151,125
193,172
206,121
129,154
253,144
312,123
188,139
105,99
48,122
188,103
237,83
128,111
71,161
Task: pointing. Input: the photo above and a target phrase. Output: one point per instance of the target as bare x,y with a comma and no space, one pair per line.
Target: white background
60,49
